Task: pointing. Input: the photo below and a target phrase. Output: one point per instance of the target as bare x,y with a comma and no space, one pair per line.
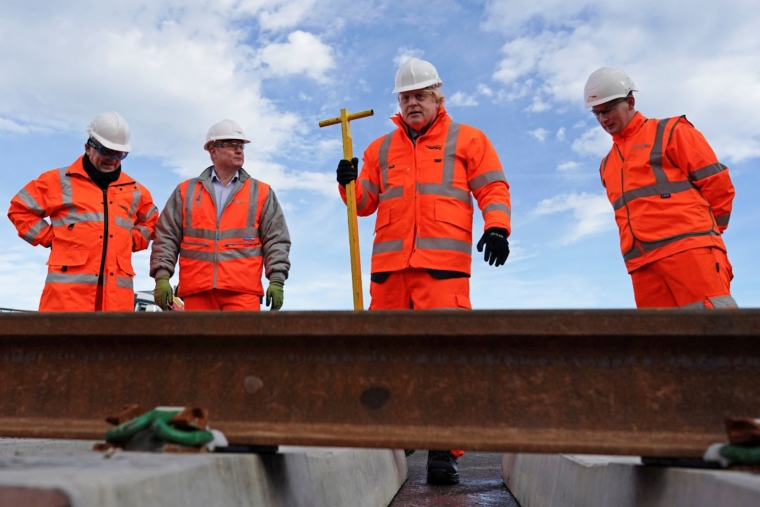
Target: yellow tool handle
351,117
353,225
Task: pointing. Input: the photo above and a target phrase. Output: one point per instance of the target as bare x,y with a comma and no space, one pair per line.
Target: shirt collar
214,177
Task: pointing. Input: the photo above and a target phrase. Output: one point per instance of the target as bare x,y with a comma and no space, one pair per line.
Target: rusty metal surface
480,484
11,496
657,383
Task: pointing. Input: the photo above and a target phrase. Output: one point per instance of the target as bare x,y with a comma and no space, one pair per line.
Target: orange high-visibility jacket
226,254
423,195
92,232
667,188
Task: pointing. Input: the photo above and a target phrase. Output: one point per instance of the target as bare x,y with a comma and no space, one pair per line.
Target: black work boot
442,468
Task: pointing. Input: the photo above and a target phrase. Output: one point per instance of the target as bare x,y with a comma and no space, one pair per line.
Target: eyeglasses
607,110
107,153
420,96
230,145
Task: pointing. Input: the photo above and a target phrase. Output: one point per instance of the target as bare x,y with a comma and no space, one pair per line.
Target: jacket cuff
278,276
161,272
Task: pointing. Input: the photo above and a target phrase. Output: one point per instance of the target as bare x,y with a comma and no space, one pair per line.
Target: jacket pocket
383,218
125,264
451,213
68,257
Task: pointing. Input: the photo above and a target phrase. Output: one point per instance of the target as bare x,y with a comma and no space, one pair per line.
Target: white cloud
405,53
554,45
462,100
539,133
484,90
594,142
568,166
561,134
172,69
592,213
304,53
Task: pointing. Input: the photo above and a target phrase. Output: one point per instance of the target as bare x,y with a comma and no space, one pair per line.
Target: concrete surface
480,484
549,480
314,477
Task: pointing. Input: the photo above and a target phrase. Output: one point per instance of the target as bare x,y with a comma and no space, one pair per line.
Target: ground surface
480,484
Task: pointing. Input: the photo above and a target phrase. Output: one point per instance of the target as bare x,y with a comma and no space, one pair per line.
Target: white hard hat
225,129
416,74
605,84
110,130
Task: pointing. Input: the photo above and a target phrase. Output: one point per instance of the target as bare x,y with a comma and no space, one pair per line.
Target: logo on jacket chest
434,146
641,146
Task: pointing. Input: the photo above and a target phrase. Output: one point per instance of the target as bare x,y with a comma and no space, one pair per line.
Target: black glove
348,171
497,247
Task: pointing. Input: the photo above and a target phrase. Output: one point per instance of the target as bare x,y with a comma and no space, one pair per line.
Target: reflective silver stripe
444,244
655,156
124,282
35,230
197,255
395,245
450,154
239,253
124,222
189,202
77,218
382,158
485,179
698,305
143,217
445,191
253,203
497,206
31,202
363,202
633,253
144,231
724,302
64,278
189,232
722,220
649,246
706,171
392,193
136,196
369,186
669,187
67,196
237,233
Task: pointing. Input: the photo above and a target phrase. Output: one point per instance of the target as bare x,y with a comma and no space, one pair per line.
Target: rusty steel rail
656,383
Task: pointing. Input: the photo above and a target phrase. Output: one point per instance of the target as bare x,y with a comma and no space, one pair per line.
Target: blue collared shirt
222,191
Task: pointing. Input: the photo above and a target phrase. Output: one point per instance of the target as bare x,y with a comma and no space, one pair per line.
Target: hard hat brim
417,86
126,148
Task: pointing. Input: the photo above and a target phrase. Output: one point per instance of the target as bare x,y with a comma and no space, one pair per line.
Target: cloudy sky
513,69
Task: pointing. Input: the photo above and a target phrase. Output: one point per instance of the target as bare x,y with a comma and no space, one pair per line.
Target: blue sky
514,70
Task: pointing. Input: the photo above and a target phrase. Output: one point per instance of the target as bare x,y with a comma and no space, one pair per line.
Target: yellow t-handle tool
353,227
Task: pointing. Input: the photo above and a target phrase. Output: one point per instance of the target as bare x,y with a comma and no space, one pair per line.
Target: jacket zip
101,285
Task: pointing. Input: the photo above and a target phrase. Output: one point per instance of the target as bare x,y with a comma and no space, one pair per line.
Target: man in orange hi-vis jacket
420,179
98,217
671,196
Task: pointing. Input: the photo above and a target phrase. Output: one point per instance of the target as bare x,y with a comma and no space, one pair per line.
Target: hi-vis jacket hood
667,188
422,193
92,234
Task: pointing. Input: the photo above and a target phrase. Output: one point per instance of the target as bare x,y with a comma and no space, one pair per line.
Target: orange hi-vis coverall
422,192
670,195
92,233
227,254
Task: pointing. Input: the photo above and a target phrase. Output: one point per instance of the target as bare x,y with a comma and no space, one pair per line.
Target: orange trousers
416,289
697,278
219,299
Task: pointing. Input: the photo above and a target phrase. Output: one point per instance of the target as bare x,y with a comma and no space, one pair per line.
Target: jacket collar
632,128
78,168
